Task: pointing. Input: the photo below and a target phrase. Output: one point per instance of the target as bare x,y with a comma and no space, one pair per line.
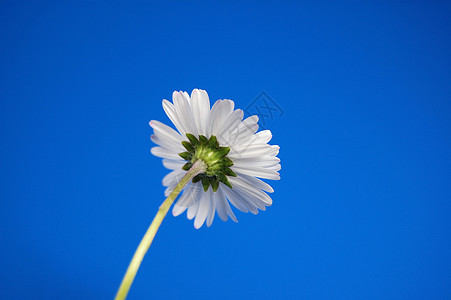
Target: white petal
253,201
249,121
165,143
256,182
249,189
200,106
165,135
173,177
212,116
165,132
238,199
252,151
235,199
202,211
223,111
173,164
257,161
262,137
228,209
211,212
193,195
186,200
183,109
172,115
192,210
221,205
249,126
243,134
230,127
164,153
177,210
168,190
257,172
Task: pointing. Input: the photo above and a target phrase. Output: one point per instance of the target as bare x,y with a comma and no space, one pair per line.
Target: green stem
197,168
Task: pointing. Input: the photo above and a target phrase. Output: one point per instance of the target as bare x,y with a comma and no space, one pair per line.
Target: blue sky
363,207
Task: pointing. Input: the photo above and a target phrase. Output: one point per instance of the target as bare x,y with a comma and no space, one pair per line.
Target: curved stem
198,167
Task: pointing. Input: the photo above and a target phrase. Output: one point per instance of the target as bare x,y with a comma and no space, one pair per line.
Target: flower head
232,150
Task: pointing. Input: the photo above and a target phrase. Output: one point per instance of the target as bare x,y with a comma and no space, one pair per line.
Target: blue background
363,207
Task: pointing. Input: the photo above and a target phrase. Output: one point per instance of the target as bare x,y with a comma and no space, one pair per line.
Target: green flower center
208,150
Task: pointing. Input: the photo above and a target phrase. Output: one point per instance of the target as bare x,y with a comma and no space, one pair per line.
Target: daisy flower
234,154
216,157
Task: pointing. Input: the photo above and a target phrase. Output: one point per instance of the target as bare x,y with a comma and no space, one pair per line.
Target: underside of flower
233,155
214,156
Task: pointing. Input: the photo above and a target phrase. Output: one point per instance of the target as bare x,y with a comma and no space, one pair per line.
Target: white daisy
233,152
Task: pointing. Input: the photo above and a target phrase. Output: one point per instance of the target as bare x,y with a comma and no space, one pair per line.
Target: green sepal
208,150
197,178
226,162
222,151
213,142
187,166
203,140
188,146
186,156
215,184
205,182
224,180
228,172
194,141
